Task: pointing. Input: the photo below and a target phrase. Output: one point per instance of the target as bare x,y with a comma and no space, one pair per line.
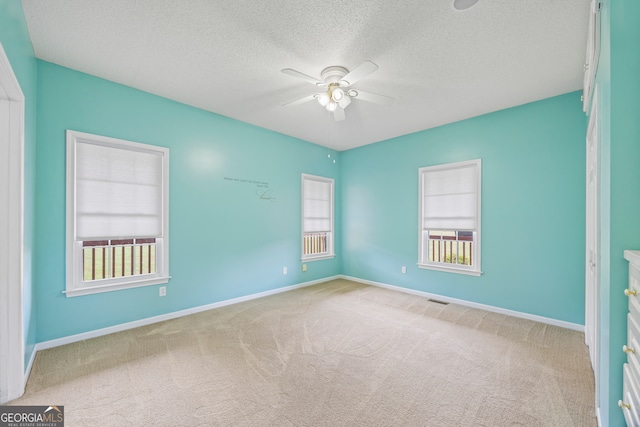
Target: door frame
592,238
12,335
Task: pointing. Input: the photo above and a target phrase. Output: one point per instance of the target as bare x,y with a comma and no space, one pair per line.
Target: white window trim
331,251
75,285
475,270
459,270
317,258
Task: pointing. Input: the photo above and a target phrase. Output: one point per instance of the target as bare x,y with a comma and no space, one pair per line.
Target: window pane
104,259
450,247
315,243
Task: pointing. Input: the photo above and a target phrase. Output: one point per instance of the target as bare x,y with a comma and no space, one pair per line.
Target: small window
449,212
317,217
117,214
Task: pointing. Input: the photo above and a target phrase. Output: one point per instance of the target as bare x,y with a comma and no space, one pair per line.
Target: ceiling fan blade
373,97
338,114
344,102
300,101
297,74
362,70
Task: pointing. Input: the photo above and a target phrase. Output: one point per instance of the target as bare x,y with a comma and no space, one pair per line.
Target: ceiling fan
335,82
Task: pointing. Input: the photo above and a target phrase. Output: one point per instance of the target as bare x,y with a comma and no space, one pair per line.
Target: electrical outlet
304,267
284,270
404,269
163,291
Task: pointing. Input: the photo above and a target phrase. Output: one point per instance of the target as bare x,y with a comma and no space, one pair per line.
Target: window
117,214
449,212
317,217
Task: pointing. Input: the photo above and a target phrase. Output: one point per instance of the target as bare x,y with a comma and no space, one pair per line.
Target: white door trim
592,258
12,336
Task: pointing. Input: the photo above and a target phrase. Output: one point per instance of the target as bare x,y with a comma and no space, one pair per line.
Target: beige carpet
335,354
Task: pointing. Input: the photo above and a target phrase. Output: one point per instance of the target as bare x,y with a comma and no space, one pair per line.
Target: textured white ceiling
440,64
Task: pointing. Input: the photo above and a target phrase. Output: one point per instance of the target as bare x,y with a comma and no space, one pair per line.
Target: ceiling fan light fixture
464,4
335,82
323,98
337,94
344,102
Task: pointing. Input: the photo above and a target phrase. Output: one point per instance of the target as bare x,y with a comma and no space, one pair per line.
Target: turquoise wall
533,204
618,90
225,241
16,42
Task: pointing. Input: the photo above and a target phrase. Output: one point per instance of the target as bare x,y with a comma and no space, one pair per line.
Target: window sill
318,258
450,269
88,290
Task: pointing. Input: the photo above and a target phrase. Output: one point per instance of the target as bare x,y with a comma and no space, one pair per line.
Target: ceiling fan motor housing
333,74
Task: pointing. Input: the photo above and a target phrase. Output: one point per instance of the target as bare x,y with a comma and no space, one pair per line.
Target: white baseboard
598,418
173,315
30,365
541,319
150,320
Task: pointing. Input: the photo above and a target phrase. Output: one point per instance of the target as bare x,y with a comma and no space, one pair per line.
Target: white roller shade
450,197
118,192
317,206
